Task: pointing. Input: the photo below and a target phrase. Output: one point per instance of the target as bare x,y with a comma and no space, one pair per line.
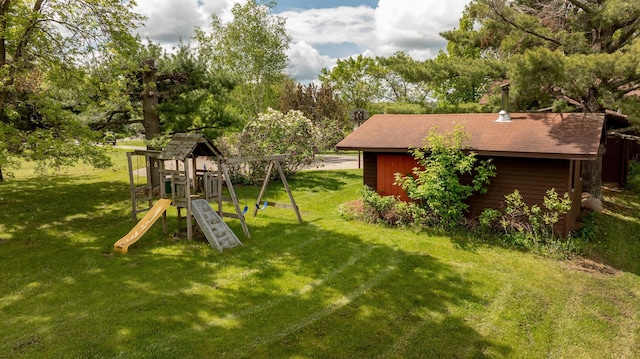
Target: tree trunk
4,10
1,177
150,116
592,175
150,99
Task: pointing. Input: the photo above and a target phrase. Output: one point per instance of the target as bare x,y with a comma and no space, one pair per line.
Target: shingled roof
183,145
544,135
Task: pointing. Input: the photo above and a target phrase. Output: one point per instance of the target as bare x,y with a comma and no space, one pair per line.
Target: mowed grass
327,288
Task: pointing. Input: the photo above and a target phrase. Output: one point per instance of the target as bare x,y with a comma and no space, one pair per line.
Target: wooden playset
174,177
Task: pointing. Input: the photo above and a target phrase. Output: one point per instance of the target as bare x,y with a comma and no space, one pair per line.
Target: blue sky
322,31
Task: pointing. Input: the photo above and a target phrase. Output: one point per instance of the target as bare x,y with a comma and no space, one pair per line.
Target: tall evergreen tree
583,53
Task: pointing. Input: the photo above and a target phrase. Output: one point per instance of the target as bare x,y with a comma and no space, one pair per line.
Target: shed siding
388,166
370,170
615,161
531,177
576,197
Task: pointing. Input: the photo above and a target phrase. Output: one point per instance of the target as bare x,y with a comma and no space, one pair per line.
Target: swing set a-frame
178,178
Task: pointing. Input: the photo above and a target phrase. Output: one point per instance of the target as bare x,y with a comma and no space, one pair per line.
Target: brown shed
618,150
532,152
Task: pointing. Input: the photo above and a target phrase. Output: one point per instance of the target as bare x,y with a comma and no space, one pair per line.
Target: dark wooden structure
183,180
532,153
618,149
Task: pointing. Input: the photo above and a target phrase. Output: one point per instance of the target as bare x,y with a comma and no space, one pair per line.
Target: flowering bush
276,133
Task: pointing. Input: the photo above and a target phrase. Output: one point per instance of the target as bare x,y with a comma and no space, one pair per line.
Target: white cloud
414,26
320,36
169,20
306,62
332,25
394,25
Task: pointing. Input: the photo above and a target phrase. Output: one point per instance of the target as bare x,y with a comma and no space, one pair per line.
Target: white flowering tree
274,132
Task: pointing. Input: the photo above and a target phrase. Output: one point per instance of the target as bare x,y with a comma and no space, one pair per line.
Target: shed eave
485,153
549,155
371,149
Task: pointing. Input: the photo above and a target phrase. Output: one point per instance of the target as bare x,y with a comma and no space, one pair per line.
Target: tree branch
197,129
504,18
582,6
26,35
630,32
631,89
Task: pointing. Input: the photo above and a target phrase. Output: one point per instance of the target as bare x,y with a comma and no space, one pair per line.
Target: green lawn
128,142
328,288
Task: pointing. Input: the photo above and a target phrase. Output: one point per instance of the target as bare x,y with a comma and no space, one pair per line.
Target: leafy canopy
45,49
251,47
582,52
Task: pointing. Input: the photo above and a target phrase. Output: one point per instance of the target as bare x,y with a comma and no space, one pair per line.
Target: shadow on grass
616,237
317,181
291,290
33,209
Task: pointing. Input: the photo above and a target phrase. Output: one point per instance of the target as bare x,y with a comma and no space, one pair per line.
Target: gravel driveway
333,162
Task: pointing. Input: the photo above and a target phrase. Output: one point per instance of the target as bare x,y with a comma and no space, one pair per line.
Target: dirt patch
25,344
353,209
591,266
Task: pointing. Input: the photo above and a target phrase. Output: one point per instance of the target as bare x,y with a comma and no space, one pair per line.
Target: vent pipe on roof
503,115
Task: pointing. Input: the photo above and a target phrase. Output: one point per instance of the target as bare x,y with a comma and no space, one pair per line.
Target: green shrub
438,188
389,210
527,226
587,231
377,208
410,213
633,177
329,132
489,219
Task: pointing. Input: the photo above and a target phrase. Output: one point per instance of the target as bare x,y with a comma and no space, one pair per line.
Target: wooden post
163,193
132,186
235,201
219,186
147,166
194,172
286,187
187,194
276,162
264,188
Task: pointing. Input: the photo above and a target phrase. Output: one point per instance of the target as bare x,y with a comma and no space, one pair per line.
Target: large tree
396,73
461,74
579,52
44,47
584,51
356,80
322,106
251,47
165,92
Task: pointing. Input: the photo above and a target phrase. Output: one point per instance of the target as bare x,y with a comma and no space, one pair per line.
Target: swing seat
264,206
245,210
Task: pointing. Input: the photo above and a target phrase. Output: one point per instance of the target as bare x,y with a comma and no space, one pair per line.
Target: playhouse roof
539,135
183,145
